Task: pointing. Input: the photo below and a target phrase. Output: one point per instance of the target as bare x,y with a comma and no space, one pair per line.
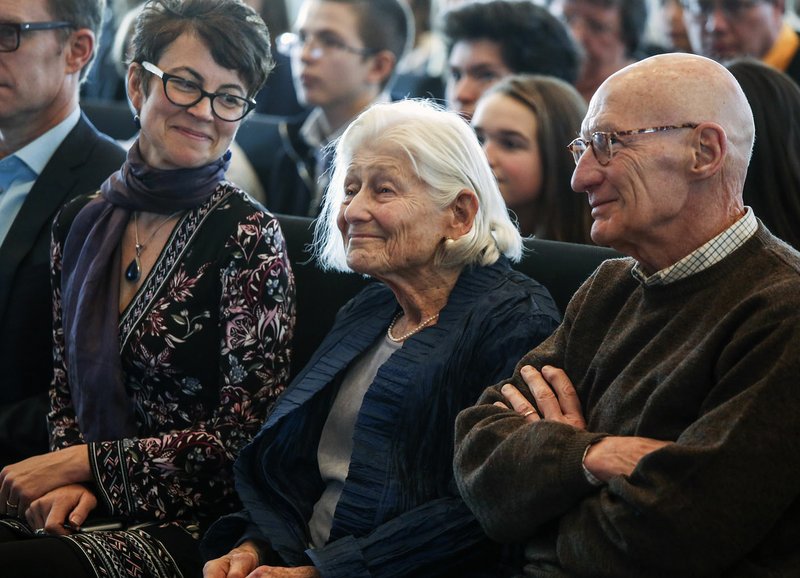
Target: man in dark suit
49,153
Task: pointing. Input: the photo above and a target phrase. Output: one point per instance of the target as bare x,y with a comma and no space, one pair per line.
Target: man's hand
554,394
71,504
618,455
557,401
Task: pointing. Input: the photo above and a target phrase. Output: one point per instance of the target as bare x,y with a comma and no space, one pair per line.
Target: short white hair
446,155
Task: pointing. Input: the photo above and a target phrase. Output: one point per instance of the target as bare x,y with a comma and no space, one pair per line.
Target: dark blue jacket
399,513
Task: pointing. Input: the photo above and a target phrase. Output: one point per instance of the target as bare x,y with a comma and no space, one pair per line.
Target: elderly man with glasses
49,153
726,29
655,433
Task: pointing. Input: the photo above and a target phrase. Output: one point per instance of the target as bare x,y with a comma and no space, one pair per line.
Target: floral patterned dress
205,352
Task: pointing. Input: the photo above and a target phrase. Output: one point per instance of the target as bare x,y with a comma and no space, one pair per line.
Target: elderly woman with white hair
352,473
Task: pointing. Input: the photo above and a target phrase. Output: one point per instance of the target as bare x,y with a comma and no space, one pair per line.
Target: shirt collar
317,132
705,256
784,48
36,154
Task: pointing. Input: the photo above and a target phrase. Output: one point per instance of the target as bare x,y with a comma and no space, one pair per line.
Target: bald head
677,88
672,177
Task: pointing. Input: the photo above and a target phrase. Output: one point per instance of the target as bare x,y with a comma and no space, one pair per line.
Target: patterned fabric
132,553
704,257
205,352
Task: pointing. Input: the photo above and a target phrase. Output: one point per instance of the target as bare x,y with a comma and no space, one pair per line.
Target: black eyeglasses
602,142
185,93
10,32
320,45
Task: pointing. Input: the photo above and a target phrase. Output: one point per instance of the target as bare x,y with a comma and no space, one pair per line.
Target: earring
136,121
448,242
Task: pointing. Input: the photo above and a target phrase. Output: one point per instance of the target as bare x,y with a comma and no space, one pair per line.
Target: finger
55,517
518,402
501,405
242,565
36,515
546,399
567,396
82,509
216,568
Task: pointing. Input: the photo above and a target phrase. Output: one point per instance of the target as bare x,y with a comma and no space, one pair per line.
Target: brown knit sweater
711,362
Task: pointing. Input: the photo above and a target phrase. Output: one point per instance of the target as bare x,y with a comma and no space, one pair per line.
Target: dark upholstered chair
561,267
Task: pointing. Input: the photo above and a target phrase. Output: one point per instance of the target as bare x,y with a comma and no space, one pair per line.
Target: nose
716,20
587,174
202,109
356,210
465,93
579,30
489,151
309,50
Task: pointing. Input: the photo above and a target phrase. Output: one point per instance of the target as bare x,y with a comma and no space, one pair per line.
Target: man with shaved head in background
656,432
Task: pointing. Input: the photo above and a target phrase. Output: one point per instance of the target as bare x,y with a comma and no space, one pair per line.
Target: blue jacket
399,513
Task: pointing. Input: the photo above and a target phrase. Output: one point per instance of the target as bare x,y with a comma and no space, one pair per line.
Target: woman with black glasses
174,307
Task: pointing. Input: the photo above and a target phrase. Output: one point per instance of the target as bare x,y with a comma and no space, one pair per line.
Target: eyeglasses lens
9,38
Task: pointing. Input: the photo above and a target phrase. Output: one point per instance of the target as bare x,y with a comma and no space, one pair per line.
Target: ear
462,213
383,64
79,49
710,147
134,87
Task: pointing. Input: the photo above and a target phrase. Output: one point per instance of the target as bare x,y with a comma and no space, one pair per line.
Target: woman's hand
242,562
238,563
30,479
277,572
65,504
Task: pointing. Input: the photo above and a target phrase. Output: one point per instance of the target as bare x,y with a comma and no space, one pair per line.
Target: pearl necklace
410,333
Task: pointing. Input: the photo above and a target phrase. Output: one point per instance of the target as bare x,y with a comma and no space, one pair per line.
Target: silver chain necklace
134,270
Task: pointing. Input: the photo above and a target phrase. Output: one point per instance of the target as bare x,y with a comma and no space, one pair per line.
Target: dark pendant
134,271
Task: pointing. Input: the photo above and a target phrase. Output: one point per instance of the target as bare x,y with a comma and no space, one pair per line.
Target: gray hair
446,155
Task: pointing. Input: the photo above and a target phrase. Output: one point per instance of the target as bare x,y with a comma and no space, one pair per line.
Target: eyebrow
201,79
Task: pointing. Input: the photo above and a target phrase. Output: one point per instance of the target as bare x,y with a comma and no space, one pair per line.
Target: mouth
599,205
193,134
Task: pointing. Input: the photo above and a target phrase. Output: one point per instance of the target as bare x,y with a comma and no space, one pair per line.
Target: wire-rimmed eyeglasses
10,32
602,142
186,93
319,45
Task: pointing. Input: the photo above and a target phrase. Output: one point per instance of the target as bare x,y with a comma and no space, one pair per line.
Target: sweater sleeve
694,507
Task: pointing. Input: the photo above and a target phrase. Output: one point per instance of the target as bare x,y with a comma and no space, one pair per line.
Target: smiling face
640,197
390,226
475,65
507,131
174,137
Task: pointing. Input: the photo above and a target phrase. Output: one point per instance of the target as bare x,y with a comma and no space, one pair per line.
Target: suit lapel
49,192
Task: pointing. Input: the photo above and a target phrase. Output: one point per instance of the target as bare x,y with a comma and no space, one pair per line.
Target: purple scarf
90,284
